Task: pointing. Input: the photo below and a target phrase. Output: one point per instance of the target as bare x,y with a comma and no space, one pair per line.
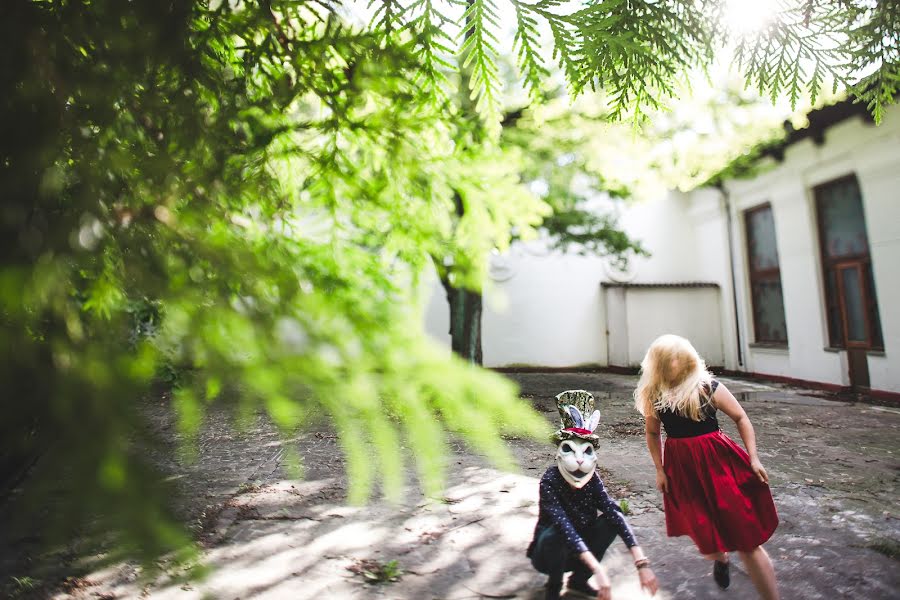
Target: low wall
636,314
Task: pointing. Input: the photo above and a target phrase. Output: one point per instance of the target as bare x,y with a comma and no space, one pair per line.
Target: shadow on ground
834,468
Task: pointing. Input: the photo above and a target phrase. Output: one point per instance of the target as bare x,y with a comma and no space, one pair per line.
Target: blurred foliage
705,130
712,124
247,192
555,141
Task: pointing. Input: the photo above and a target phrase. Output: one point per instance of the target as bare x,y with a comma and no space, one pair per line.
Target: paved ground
834,468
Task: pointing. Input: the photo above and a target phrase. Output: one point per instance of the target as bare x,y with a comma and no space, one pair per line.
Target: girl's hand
662,482
648,580
758,469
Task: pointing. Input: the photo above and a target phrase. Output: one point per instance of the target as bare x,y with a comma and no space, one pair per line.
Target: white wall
547,313
851,147
541,308
714,259
667,230
644,313
547,308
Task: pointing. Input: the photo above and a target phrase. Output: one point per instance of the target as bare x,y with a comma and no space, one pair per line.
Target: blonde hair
672,377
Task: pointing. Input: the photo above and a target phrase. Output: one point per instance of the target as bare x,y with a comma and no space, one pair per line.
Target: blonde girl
713,491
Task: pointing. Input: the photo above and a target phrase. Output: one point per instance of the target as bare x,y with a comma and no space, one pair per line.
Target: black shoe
720,574
581,587
554,586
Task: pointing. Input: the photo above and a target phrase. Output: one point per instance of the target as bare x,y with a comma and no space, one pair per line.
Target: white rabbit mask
576,456
576,460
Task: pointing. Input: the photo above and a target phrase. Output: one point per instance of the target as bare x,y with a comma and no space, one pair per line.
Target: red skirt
714,497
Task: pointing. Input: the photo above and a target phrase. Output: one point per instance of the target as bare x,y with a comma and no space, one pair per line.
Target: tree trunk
465,322
465,305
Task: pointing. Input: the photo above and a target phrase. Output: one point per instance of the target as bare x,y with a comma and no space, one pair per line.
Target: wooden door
853,302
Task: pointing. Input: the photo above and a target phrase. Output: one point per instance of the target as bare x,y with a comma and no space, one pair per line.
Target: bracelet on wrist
643,563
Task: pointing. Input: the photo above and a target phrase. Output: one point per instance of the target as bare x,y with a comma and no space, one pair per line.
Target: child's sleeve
549,501
612,513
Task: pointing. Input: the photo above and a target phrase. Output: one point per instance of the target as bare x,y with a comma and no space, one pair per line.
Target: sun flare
748,17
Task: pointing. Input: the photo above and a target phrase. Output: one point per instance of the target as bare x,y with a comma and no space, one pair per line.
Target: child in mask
578,520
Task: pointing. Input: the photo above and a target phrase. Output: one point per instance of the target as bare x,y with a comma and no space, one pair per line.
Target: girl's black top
678,426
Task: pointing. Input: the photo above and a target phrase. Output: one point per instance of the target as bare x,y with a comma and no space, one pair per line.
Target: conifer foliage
237,198
634,50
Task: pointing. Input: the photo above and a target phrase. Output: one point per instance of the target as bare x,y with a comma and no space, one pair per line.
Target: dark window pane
843,223
845,245
765,277
874,320
835,333
761,239
854,305
768,311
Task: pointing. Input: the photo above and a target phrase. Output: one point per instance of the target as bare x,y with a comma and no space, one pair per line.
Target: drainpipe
726,201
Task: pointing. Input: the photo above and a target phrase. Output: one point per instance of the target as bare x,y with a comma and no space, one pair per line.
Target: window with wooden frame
853,319
769,325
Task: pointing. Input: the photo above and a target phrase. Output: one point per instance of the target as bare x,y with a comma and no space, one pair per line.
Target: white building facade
819,235
793,274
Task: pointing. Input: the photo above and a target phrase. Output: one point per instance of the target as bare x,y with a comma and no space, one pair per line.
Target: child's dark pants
552,556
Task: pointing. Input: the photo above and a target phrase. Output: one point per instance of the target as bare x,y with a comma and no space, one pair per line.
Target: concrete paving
834,469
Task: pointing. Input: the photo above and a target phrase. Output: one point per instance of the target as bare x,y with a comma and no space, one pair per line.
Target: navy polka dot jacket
573,510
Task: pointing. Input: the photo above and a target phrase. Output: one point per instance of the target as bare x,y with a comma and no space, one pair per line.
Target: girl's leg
761,571
721,573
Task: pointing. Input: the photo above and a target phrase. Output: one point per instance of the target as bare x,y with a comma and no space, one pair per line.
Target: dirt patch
627,428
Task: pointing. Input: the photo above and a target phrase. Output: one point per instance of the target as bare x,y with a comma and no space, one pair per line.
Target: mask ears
593,421
576,416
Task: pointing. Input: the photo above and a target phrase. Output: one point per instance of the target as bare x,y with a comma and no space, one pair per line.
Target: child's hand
662,482
648,580
759,470
604,588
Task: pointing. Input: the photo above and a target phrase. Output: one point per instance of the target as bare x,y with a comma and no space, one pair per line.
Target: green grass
20,586
376,572
888,547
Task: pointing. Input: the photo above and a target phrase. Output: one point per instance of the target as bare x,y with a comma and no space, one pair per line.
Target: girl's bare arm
654,445
725,401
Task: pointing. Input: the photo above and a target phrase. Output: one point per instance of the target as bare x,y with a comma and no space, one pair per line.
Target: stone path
834,470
